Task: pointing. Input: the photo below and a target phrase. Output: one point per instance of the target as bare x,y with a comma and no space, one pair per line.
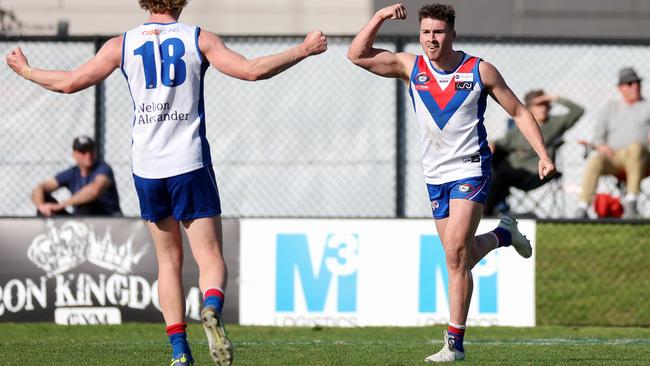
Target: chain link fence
325,139
38,126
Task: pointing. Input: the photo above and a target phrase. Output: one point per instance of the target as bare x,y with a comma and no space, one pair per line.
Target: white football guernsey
164,68
449,107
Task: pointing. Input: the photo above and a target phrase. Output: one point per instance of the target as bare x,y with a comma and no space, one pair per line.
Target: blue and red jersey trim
442,103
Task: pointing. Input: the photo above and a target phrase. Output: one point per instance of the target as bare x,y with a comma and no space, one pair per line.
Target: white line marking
487,342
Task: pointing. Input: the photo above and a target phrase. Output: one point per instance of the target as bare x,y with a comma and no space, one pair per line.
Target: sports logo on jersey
443,82
464,85
434,204
472,159
157,32
422,77
464,76
464,188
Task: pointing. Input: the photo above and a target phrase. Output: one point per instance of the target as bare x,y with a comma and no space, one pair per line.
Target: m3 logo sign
433,275
317,270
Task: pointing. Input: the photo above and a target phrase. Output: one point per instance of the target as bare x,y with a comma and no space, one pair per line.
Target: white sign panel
372,273
87,315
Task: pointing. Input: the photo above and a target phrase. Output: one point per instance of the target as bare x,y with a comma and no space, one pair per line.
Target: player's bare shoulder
209,42
407,60
111,51
490,76
114,44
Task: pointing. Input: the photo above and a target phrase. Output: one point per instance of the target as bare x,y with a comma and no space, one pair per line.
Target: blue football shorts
474,189
186,196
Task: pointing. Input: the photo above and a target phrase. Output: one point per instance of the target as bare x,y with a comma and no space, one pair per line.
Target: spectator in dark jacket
91,185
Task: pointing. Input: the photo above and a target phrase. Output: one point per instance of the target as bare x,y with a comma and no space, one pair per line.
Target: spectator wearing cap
514,163
91,184
620,144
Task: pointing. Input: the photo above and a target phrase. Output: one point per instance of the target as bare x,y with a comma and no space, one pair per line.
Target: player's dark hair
437,11
162,6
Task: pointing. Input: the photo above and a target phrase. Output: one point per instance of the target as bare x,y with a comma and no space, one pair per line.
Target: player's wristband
26,73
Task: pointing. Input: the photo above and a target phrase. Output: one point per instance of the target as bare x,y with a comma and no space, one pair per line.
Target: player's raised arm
379,61
93,71
524,120
233,64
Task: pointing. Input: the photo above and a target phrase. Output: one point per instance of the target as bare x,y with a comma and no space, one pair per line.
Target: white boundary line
488,342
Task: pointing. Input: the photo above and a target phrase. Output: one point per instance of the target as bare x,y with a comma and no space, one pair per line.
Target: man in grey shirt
621,144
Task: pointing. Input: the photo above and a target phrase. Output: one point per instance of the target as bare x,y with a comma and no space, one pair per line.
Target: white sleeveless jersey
449,107
164,68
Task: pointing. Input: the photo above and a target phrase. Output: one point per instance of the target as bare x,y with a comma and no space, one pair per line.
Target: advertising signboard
372,273
91,271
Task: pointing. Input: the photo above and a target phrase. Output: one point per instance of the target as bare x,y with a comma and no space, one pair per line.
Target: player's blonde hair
162,6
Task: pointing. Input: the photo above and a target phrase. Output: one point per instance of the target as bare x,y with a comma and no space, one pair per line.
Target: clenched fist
17,60
315,43
393,12
546,168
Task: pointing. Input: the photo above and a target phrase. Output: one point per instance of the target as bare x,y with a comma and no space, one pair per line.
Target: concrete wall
581,18
221,16
556,18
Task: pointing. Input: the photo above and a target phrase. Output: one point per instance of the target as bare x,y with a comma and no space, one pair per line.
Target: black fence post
400,141
100,110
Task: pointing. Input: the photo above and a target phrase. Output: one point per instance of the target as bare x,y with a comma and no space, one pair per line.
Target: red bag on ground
606,205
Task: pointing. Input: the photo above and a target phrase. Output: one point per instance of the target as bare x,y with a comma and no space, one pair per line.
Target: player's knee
455,256
635,150
596,163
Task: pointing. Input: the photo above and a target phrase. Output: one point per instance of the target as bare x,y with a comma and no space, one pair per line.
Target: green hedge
593,274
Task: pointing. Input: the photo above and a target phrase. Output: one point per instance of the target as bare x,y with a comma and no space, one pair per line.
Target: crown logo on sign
64,248
59,250
115,257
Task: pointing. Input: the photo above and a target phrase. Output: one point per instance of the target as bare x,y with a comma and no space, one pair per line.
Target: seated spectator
91,185
515,162
620,144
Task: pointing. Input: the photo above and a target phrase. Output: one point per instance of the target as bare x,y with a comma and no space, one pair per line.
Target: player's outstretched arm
93,71
524,120
379,61
233,64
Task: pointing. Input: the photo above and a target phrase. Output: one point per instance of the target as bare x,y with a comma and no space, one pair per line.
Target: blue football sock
457,333
178,340
504,238
213,297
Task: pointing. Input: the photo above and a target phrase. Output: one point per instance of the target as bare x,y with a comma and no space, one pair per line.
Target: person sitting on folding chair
621,140
514,163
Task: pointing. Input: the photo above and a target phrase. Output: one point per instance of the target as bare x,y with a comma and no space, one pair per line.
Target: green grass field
593,274
146,344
